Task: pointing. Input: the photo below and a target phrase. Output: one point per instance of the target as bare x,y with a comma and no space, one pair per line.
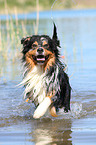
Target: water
76,31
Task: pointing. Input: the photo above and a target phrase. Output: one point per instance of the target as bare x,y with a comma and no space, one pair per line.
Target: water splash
76,110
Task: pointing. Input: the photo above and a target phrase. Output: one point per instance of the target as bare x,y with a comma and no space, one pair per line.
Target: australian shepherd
46,83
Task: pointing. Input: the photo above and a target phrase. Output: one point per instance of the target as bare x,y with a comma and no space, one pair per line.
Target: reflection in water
52,132
42,137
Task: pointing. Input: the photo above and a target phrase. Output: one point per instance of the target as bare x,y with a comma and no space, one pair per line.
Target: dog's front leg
42,108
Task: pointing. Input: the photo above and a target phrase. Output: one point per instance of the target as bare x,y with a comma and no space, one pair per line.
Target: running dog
46,83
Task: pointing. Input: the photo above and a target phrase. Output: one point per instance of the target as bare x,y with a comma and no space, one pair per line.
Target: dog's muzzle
40,57
40,50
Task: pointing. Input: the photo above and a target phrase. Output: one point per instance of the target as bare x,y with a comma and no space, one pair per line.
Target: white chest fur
35,84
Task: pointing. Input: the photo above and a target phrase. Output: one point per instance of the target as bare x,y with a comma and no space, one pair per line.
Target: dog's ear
25,41
54,32
55,35
22,40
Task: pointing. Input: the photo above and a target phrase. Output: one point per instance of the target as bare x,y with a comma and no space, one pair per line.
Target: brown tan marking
35,43
44,43
27,39
29,60
51,59
52,109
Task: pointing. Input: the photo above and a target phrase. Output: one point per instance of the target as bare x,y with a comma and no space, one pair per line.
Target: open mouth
40,58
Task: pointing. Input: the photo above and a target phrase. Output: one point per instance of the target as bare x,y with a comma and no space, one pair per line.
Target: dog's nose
40,50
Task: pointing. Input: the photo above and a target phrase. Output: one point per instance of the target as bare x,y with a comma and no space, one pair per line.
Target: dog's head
40,50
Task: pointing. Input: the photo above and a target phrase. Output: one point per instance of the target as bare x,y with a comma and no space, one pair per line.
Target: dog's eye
34,45
45,45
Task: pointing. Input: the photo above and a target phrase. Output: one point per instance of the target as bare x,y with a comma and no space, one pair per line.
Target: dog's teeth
40,59
42,108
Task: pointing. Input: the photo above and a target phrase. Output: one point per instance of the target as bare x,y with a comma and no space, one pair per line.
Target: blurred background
25,6
76,29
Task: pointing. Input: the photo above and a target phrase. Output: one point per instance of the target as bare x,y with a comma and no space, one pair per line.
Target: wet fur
46,80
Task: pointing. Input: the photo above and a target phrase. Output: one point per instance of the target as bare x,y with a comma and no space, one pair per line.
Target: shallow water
76,31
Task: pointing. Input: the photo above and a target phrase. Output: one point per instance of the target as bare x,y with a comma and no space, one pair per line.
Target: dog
46,83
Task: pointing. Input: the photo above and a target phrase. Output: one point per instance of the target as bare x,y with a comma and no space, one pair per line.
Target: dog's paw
66,110
42,108
37,114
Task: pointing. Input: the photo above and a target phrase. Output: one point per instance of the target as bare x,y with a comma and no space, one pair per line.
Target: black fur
62,97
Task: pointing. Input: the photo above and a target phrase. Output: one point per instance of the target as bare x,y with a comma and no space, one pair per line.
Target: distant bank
26,6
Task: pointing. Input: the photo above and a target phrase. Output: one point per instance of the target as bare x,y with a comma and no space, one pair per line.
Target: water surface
77,34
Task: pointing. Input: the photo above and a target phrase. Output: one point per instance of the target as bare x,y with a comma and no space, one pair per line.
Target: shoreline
26,10
27,6
16,10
